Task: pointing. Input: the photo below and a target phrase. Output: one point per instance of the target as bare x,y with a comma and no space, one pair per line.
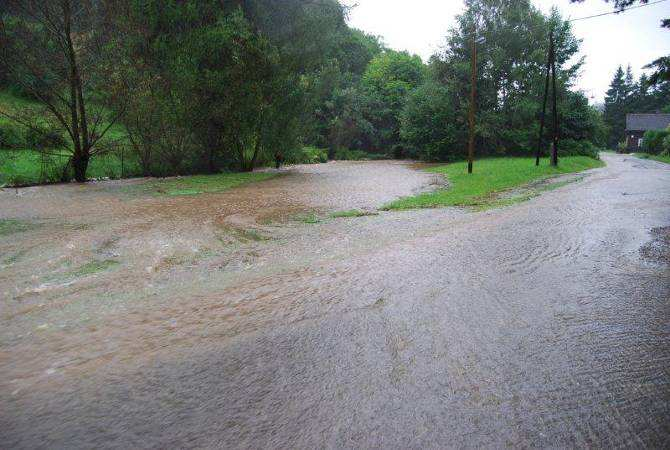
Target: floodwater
222,321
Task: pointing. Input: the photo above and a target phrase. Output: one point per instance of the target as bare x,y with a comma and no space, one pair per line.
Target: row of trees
630,95
512,40
202,85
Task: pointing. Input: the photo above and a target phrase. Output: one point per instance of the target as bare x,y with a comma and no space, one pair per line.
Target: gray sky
635,37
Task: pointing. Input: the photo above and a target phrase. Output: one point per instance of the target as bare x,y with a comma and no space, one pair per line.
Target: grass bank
661,158
19,167
491,176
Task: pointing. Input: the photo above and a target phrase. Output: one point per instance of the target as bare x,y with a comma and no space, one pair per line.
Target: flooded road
543,324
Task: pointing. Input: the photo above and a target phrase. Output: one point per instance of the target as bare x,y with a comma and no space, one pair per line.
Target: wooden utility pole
554,147
538,152
473,98
550,73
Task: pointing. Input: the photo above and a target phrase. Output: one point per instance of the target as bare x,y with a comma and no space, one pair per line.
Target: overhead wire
621,11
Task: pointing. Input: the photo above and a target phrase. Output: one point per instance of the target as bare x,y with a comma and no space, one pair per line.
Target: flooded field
253,318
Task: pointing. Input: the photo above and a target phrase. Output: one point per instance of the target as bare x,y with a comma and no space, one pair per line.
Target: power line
618,12
482,39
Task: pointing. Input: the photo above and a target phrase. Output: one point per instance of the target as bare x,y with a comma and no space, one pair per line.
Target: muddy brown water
222,322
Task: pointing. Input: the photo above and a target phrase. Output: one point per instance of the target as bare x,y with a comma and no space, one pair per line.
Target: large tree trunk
80,165
80,137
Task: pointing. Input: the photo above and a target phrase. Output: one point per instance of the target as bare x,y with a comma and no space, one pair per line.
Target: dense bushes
429,126
347,154
306,155
656,141
571,147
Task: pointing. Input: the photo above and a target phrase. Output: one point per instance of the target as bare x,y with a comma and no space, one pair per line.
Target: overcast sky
635,37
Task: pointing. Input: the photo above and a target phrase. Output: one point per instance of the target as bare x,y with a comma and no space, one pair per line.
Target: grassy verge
661,158
21,164
93,267
491,176
25,166
351,213
201,184
11,226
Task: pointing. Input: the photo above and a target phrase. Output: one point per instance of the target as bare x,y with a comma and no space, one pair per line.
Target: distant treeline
194,86
628,95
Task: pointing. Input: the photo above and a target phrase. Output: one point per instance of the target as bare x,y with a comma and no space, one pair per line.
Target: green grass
202,184
307,155
11,226
309,218
93,267
241,235
11,101
661,158
491,176
352,213
25,166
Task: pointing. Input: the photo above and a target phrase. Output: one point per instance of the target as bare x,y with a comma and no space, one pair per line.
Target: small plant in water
310,218
353,213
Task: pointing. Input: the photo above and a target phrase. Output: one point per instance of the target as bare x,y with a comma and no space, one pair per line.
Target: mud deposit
229,321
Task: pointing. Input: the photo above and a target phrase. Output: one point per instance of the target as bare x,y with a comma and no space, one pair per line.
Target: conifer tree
615,105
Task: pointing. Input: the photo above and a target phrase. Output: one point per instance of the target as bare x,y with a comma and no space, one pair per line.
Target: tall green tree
616,102
512,40
55,52
387,81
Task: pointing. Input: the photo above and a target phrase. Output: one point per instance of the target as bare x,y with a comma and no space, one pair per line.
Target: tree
512,50
580,123
239,72
429,124
337,109
387,81
55,51
616,101
625,95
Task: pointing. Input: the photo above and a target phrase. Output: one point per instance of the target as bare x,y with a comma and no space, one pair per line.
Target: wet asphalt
544,324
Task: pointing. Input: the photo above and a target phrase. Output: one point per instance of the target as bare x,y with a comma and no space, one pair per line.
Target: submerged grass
93,267
309,218
352,213
491,176
661,158
11,226
20,167
202,184
241,235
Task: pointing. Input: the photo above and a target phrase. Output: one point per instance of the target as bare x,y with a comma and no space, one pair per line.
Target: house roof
645,122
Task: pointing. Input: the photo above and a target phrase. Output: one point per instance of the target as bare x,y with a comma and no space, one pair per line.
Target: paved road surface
544,324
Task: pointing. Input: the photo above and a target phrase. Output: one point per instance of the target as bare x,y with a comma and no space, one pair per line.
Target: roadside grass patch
87,269
11,226
201,184
352,213
24,166
309,218
525,193
21,164
93,267
491,176
241,235
13,259
661,158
